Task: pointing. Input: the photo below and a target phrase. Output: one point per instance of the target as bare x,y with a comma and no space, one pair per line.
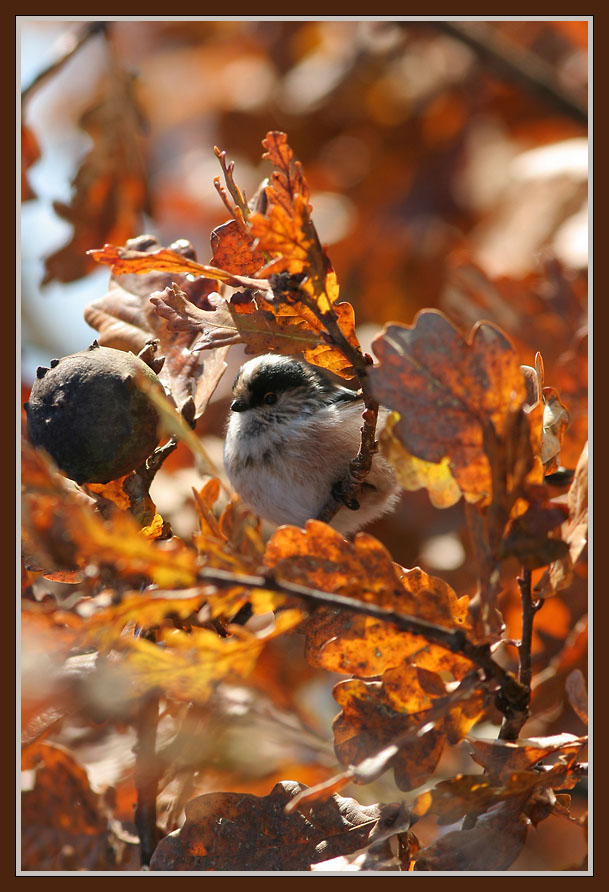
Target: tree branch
147,777
513,722
513,694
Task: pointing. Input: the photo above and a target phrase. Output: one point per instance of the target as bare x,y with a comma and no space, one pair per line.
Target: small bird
290,438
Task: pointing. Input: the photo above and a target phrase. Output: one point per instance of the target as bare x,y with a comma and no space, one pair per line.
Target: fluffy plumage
290,437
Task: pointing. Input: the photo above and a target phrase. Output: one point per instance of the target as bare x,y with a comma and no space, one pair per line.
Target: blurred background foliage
448,168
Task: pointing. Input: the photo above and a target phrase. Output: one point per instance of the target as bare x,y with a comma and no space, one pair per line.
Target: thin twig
528,612
91,29
515,720
147,777
516,65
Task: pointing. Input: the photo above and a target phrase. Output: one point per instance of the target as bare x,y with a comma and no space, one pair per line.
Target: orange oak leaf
342,641
233,251
110,188
402,709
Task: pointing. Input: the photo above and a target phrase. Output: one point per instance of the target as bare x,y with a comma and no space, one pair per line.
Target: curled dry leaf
575,687
574,533
450,393
126,320
243,319
110,187
555,414
501,758
239,831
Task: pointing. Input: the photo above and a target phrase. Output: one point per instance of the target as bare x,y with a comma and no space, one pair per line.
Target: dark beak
238,406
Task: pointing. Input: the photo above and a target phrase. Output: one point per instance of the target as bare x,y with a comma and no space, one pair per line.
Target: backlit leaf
342,641
233,251
189,665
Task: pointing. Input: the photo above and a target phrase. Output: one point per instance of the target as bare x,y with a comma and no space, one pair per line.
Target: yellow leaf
414,473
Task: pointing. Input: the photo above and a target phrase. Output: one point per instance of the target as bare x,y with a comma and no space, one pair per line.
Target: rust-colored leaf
449,392
283,233
233,250
125,260
238,831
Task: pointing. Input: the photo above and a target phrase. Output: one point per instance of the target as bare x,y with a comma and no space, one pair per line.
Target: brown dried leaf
65,824
502,758
575,687
262,324
126,320
238,831
493,844
241,320
448,392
